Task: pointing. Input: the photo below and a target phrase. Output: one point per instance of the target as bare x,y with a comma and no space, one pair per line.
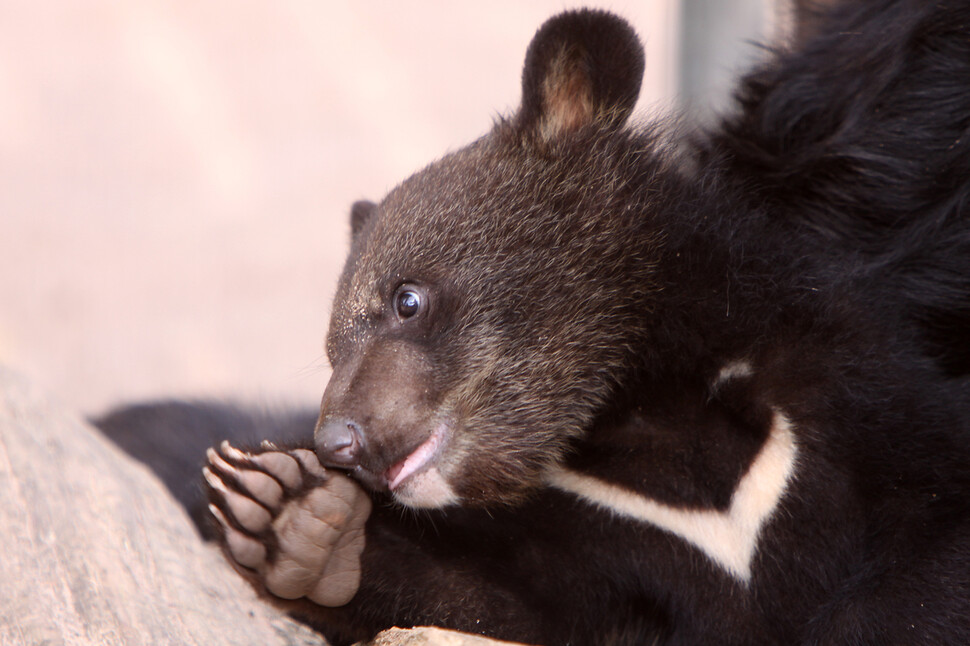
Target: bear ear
361,212
583,67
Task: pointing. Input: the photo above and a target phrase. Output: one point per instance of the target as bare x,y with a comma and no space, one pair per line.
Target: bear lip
417,460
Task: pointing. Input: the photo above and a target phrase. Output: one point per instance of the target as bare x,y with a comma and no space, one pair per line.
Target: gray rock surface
95,551
428,636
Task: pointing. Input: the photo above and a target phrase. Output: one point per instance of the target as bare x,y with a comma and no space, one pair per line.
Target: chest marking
730,537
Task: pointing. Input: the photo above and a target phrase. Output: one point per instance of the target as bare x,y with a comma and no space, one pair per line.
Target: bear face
487,307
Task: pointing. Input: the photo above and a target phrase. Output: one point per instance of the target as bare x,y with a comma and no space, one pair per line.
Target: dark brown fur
582,298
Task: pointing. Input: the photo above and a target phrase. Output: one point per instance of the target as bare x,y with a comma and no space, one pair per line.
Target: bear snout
339,442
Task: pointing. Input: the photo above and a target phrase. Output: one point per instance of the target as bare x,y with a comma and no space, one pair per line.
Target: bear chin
427,489
417,481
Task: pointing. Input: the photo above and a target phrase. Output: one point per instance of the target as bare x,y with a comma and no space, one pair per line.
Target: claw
214,481
216,461
232,452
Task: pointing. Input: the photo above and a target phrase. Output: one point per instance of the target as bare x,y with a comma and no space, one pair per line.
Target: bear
596,383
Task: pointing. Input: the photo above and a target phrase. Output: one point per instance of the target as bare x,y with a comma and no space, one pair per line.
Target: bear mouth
418,460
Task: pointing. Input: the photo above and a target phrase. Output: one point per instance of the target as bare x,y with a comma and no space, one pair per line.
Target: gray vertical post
719,40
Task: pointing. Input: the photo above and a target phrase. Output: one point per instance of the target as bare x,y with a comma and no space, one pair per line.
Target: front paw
296,527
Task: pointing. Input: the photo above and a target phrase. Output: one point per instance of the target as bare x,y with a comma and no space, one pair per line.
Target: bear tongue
418,458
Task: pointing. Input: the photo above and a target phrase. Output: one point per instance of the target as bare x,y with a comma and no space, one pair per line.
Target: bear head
492,301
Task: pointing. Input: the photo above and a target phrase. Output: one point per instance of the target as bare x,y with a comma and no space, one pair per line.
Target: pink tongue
400,471
392,473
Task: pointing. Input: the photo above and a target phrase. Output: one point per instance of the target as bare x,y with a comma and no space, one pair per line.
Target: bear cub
594,384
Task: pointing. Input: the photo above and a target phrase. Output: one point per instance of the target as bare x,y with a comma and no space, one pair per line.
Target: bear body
637,391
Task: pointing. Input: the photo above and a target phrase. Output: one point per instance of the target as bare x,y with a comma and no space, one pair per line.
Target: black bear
596,385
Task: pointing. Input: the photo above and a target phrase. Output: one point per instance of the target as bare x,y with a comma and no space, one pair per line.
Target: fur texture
862,138
643,401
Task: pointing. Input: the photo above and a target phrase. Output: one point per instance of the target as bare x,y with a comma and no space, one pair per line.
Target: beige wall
175,176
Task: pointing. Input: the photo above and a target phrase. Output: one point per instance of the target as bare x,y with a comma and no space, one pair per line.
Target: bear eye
408,302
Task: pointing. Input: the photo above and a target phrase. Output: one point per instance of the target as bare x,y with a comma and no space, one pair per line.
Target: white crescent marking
729,538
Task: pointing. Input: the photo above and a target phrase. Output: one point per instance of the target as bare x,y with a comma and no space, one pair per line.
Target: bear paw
296,527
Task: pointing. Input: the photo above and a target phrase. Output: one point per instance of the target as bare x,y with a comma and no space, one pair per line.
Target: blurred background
175,177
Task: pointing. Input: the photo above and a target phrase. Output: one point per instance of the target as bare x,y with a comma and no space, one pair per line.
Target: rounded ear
583,67
361,212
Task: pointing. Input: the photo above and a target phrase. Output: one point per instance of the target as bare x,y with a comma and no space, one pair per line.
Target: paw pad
296,526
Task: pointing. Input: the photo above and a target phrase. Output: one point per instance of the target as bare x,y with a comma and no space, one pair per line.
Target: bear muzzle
381,420
339,442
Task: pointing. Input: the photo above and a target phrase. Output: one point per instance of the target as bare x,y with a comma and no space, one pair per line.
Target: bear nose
339,442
